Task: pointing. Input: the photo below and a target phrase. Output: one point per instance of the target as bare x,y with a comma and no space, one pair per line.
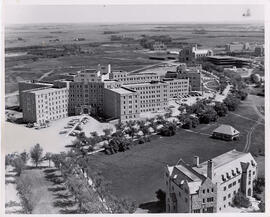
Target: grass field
138,173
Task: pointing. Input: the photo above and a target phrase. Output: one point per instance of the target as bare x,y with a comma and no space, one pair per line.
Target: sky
28,14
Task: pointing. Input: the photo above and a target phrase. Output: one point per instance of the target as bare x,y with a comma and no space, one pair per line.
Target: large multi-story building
44,104
133,78
30,85
121,103
90,92
177,87
191,53
209,186
192,73
153,95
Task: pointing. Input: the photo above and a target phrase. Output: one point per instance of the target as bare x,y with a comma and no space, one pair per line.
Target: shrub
25,193
19,165
231,102
208,116
187,124
262,206
259,185
168,130
221,109
240,200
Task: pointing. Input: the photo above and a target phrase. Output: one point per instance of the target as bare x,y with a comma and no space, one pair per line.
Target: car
30,125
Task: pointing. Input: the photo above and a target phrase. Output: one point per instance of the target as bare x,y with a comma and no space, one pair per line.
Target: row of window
208,190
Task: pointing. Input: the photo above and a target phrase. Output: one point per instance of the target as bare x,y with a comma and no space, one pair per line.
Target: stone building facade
209,186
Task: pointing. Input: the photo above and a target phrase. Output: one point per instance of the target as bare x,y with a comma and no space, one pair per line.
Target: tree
161,196
36,154
221,109
24,156
107,131
48,156
231,102
240,200
208,116
19,165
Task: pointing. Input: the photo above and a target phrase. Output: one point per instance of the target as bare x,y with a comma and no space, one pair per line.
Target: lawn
138,173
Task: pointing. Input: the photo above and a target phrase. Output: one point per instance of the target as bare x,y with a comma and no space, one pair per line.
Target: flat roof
44,90
228,57
122,90
144,84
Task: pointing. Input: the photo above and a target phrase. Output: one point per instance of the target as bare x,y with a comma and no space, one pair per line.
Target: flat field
120,54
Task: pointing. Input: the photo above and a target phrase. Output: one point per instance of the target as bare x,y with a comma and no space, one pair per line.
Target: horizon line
147,23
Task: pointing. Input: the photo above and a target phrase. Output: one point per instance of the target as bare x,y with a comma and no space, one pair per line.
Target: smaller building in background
228,61
192,73
158,46
226,132
237,46
191,53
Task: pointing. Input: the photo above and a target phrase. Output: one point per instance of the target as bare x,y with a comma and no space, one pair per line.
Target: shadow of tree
57,188
152,207
69,211
49,170
10,175
62,196
64,203
10,182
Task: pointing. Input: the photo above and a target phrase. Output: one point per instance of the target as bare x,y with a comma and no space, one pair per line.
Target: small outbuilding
226,132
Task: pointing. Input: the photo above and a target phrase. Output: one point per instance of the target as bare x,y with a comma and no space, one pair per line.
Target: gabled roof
226,164
226,129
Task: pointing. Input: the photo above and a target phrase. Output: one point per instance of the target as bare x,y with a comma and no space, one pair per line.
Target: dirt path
45,75
49,193
249,134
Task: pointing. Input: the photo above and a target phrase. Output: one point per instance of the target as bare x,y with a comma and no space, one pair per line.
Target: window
210,199
196,211
207,190
203,191
224,188
224,198
229,195
212,189
203,200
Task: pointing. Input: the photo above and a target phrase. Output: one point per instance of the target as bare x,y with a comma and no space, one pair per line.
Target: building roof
226,129
44,90
122,90
201,51
225,164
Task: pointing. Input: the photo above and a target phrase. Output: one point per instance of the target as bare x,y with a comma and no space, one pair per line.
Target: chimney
210,169
109,68
99,68
196,161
